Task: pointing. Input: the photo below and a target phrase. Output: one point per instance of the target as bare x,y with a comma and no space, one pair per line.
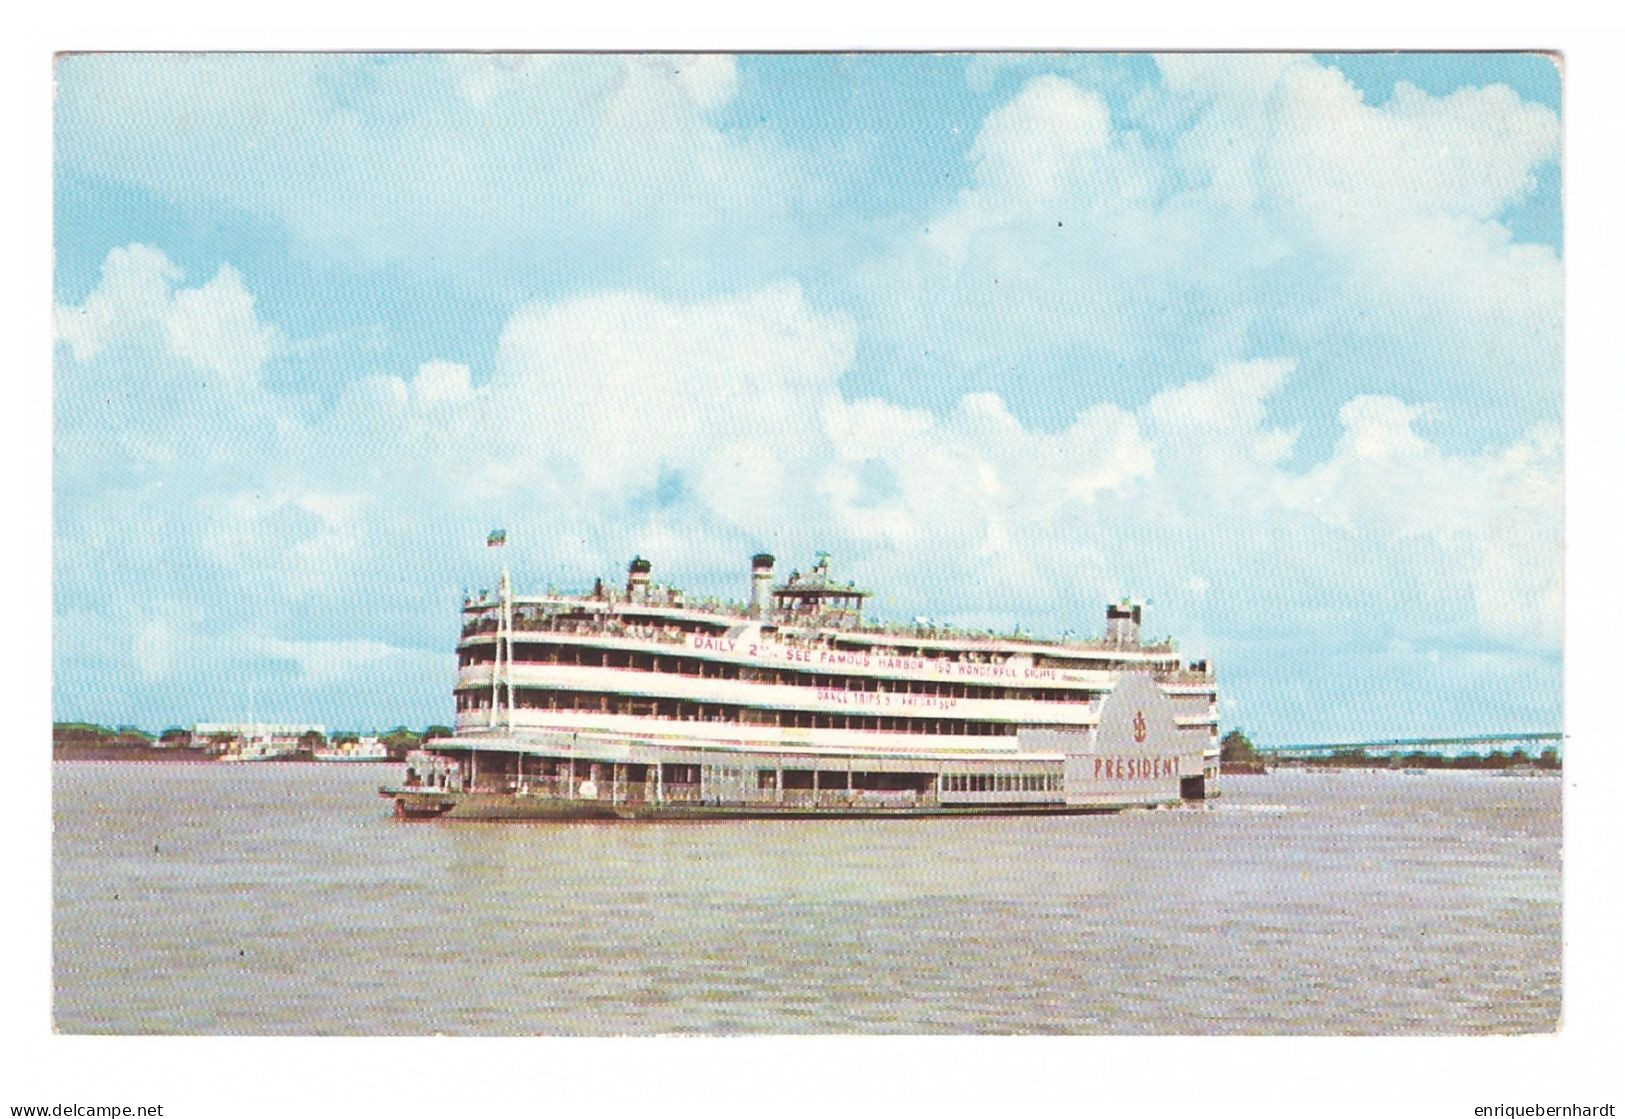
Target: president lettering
1134,769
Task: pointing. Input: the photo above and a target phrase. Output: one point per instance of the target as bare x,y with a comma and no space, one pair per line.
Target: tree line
74,735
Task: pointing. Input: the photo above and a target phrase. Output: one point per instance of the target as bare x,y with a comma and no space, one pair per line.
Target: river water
284,899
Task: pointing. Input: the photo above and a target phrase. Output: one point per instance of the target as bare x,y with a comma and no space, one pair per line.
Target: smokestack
1123,623
761,584
637,580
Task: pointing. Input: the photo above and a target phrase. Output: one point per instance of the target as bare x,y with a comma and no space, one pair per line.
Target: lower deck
622,781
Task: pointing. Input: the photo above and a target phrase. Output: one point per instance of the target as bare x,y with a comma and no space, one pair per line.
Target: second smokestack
761,584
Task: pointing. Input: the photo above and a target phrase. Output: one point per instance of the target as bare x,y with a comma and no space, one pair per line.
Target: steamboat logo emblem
1139,726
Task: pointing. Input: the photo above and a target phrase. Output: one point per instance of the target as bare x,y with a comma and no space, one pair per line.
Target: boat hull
425,804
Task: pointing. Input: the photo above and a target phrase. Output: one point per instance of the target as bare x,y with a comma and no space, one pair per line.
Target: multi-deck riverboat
639,703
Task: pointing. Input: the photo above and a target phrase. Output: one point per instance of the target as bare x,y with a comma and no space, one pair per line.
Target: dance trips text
839,659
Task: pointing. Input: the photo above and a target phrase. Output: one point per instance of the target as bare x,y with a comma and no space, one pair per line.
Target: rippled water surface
285,899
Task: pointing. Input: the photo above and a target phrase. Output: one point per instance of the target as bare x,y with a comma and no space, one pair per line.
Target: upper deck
795,666
814,622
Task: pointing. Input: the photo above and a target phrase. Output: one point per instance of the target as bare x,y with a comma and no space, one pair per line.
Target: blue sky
1274,341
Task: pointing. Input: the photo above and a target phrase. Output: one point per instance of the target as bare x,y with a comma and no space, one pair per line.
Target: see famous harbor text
636,703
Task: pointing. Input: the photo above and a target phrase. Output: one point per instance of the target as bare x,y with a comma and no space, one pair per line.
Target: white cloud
1198,478
711,80
134,292
213,327
1267,207
619,387
974,492
1220,422
602,412
492,168
1496,517
442,381
1347,166
1400,202
1029,147
714,424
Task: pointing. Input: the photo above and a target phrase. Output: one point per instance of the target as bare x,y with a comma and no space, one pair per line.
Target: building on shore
254,741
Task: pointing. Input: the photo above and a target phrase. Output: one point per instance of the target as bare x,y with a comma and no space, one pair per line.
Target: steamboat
636,703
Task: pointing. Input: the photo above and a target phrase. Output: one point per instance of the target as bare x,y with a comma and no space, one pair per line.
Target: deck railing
644,792
612,625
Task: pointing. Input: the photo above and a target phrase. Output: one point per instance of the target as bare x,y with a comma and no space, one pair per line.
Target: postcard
851,543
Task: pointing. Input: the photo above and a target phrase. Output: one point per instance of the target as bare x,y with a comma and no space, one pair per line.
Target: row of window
547,699
739,778
532,653
1001,783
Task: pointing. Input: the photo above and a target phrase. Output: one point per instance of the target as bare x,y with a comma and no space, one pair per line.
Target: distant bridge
1532,743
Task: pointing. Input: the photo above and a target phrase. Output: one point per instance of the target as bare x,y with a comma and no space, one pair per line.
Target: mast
496,677
500,675
505,641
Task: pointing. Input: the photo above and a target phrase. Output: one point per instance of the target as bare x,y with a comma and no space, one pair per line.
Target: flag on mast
498,537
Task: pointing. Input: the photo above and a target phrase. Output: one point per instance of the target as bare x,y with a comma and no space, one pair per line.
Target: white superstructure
789,695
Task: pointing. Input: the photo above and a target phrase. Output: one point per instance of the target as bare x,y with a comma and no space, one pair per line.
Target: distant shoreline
76,741
1468,763
164,755
98,752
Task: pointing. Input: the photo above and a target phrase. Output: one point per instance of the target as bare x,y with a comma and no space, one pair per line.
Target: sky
1273,342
